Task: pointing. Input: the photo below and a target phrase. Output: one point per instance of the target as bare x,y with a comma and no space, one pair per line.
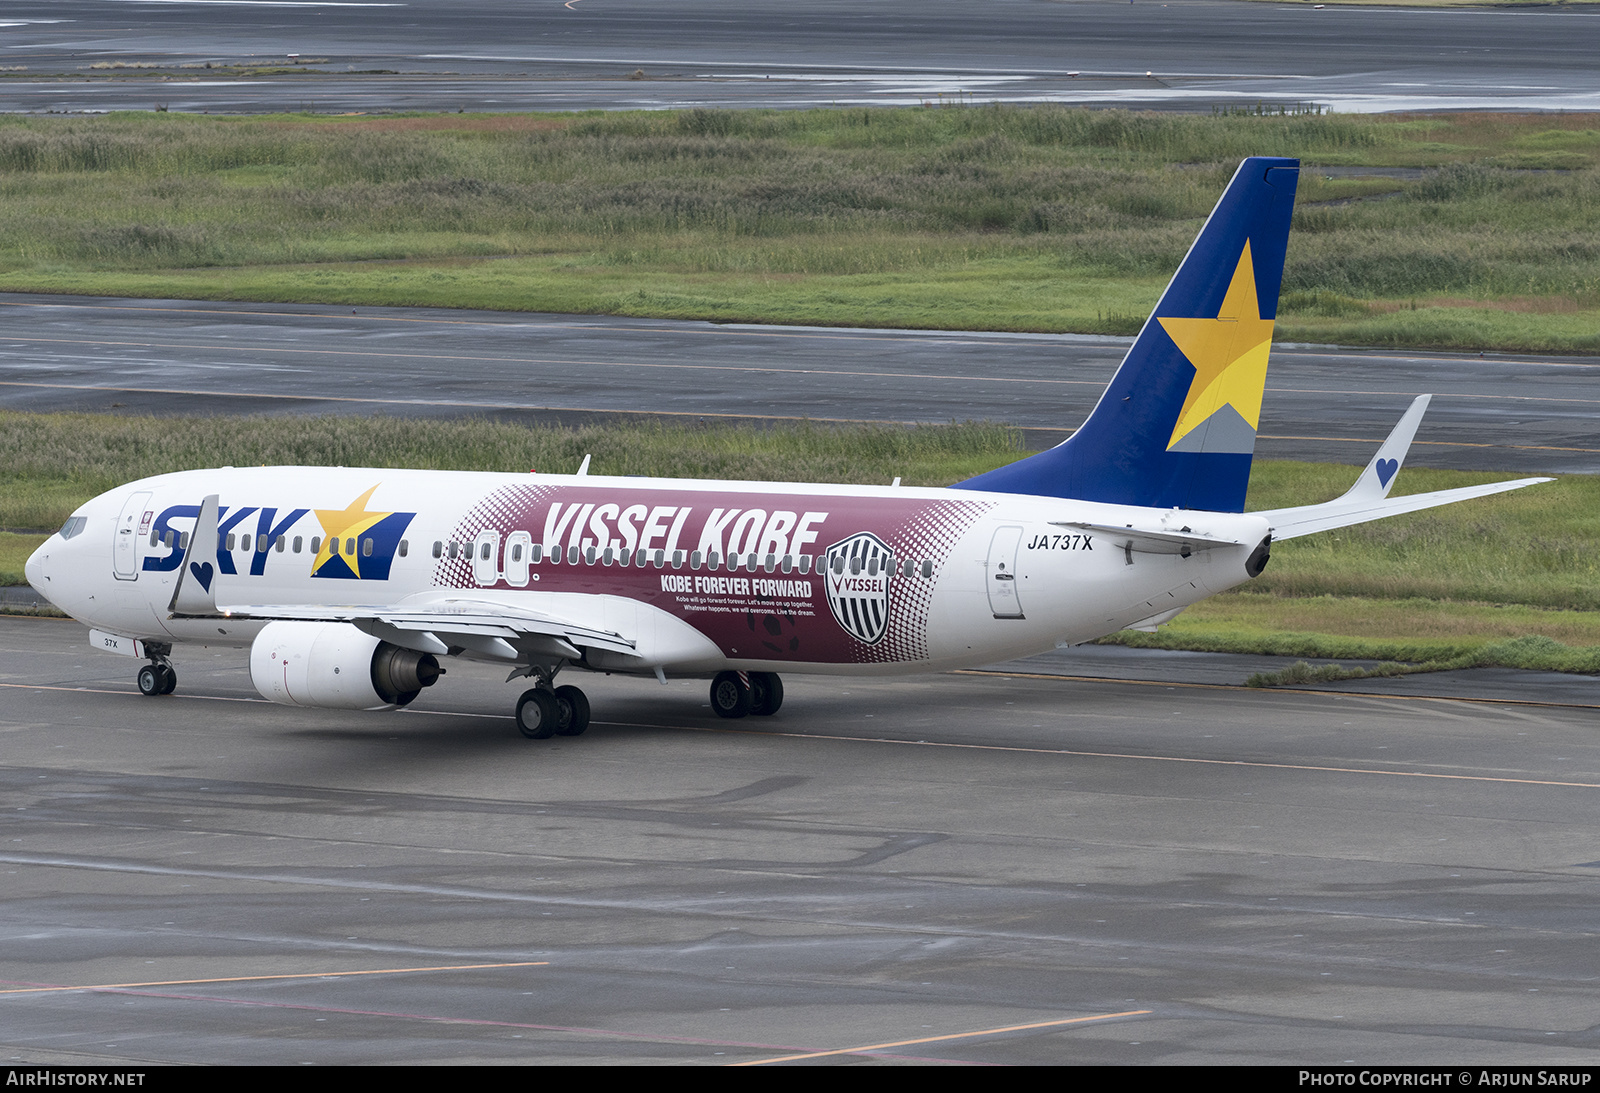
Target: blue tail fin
1177,426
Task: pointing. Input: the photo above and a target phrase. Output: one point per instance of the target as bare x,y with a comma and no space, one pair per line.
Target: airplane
350,586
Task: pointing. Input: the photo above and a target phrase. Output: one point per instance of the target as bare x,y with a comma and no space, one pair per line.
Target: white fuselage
911,579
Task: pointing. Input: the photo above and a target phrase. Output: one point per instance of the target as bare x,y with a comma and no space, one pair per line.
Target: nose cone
37,570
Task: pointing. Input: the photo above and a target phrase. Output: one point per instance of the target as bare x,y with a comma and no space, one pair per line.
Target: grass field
1448,586
1030,218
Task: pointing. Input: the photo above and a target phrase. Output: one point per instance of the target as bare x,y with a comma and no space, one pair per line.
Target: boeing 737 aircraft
349,586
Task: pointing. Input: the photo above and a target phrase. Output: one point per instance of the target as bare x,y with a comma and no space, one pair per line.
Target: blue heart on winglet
202,572
1386,469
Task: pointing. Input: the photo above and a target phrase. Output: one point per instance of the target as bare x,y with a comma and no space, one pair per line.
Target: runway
1498,412
962,868
493,55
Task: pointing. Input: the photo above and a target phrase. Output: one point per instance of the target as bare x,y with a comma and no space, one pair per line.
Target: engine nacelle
332,665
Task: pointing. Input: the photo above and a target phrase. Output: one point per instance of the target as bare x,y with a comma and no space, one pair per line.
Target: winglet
1369,498
196,593
1378,479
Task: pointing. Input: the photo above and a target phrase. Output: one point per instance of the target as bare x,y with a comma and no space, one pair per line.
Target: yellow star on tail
346,523
1229,354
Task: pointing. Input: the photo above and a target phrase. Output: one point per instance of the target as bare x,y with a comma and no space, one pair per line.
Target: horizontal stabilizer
1148,541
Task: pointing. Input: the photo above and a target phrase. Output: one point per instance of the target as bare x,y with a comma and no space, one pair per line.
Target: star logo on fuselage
349,531
1229,354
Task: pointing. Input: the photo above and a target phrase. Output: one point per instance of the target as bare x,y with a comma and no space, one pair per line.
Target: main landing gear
158,677
544,712
735,694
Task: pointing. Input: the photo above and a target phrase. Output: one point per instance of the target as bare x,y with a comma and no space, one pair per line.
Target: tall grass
821,193
51,463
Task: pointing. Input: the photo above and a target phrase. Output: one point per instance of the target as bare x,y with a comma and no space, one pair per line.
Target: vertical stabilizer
1176,428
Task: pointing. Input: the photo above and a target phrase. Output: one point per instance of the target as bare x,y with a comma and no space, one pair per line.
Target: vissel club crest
857,584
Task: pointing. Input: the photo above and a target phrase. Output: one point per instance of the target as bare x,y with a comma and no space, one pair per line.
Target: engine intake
332,665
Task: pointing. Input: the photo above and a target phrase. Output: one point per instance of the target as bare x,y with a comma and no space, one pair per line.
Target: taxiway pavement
1522,413
493,55
975,868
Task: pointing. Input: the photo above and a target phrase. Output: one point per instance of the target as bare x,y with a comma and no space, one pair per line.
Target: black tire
730,695
766,693
170,676
538,714
150,680
574,711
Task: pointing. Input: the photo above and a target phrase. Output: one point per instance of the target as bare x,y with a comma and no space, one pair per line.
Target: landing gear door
132,525
1004,599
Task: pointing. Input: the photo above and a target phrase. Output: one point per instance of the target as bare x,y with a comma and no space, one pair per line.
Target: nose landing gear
158,677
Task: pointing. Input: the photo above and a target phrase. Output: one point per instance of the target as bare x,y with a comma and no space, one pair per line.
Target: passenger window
183,540
245,542
299,541
677,559
350,547
483,550
453,549
278,545
152,534
316,544
366,548
170,537
438,549
405,548
230,540
694,559
572,555
538,552
516,550
927,568
805,563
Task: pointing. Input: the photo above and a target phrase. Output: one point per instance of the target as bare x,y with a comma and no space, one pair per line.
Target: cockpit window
73,526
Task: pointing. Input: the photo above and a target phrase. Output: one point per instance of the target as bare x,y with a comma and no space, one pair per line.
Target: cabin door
1004,600
131,525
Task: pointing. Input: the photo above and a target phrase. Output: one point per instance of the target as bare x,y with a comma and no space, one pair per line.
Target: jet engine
332,665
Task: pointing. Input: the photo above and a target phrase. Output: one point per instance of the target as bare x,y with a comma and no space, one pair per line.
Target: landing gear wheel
730,695
171,683
538,714
151,680
574,705
766,693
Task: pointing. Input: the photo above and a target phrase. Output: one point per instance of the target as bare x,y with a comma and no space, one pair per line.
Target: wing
1369,498
439,622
